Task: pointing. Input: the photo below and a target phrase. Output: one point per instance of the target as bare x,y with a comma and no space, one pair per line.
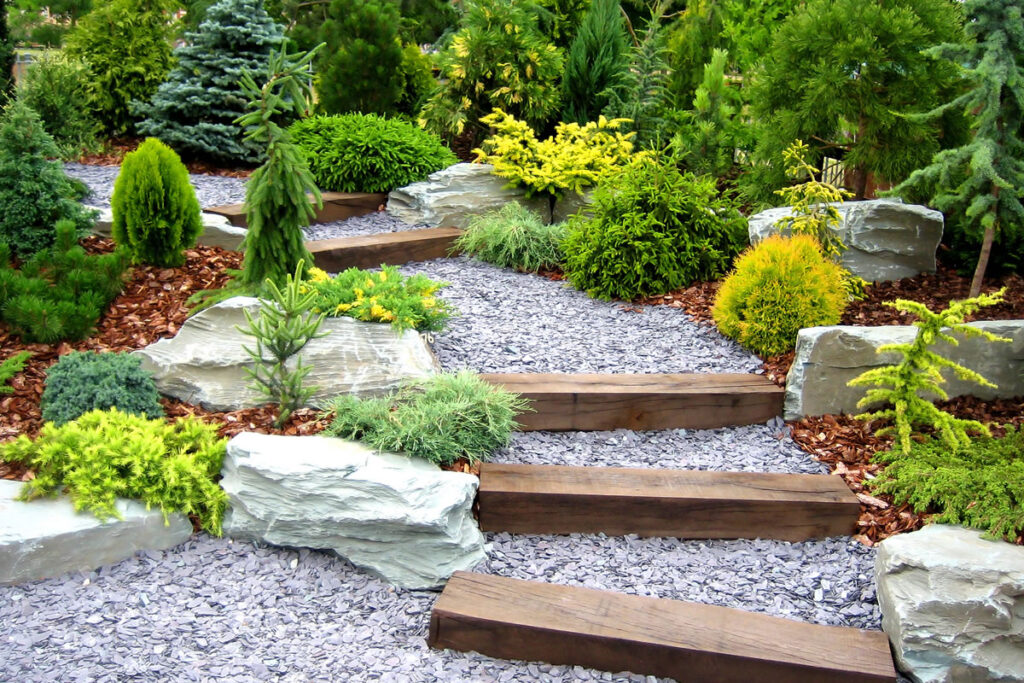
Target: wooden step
392,248
515,619
554,499
600,402
337,206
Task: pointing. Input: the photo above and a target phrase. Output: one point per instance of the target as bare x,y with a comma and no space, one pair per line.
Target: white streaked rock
217,230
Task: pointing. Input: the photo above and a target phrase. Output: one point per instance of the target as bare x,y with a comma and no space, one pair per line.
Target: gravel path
216,610
210,190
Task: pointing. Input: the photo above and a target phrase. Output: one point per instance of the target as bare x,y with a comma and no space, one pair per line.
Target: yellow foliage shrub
779,286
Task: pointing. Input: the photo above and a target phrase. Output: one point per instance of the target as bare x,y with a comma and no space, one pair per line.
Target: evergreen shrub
60,293
385,296
514,237
597,59
82,381
367,153
653,230
10,367
55,87
442,419
156,213
779,286
105,455
194,110
980,486
34,192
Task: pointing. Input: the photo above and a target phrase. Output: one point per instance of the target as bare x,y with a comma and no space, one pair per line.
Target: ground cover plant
442,419
104,455
83,381
385,296
10,367
514,237
366,152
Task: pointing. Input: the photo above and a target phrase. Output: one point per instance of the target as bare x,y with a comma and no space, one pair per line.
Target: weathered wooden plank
554,499
515,619
673,401
393,248
337,206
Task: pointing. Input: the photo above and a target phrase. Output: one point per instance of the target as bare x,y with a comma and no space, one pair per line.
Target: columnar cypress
194,110
597,59
7,56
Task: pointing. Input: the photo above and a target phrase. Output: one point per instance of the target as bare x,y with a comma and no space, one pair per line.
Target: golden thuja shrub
779,286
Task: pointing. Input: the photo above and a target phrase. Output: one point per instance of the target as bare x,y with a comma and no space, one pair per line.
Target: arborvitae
7,56
983,180
642,95
360,70
597,58
709,137
194,110
34,192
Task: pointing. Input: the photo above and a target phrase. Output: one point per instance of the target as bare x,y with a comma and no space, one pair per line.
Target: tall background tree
7,56
597,59
983,180
194,110
45,23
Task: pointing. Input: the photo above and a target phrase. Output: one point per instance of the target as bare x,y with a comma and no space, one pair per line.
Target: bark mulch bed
114,150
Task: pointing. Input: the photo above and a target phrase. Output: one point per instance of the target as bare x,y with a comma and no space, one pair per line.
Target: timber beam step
528,620
337,206
555,499
642,401
391,248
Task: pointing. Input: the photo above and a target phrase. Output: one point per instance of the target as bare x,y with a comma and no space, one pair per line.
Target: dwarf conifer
597,58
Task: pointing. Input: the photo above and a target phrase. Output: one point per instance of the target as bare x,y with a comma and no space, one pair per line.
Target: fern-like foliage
10,367
901,386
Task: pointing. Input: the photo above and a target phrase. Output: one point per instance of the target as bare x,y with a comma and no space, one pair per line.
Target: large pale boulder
46,537
452,196
205,362
886,239
217,230
829,357
953,605
401,518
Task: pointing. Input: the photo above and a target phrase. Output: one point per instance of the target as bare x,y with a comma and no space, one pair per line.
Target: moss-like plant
900,386
282,328
82,381
385,296
514,237
156,213
10,367
442,419
105,455
981,486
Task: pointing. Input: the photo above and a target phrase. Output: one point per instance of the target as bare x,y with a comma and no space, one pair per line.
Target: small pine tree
127,47
7,56
709,137
597,59
156,213
360,70
919,372
194,110
983,180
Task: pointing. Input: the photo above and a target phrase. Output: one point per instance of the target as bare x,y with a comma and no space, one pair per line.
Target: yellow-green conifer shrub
779,286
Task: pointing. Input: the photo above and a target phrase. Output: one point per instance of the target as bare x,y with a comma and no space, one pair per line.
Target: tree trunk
986,248
859,182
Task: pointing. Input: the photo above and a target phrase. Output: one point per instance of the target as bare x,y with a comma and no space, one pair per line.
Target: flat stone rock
829,357
571,203
45,538
953,604
886,239
401,518
452,196
205,362
217,230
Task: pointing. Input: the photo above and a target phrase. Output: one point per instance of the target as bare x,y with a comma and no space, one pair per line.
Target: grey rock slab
205,362
829,357
570,204
217,230
452,196
46,537
886,239
953,604
402,518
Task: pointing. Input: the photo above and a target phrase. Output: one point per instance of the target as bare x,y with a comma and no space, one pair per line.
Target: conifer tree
360,70
597,59
709,136
7,56
983,180
194,110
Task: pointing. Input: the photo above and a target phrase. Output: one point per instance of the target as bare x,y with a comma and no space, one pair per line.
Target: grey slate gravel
210,190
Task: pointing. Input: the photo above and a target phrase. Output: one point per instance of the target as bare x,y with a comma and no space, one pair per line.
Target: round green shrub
653,230
85,380
367,153
156,213
514,237
779,286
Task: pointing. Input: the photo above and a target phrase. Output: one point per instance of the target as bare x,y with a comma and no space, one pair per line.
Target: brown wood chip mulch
114,151
152,306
